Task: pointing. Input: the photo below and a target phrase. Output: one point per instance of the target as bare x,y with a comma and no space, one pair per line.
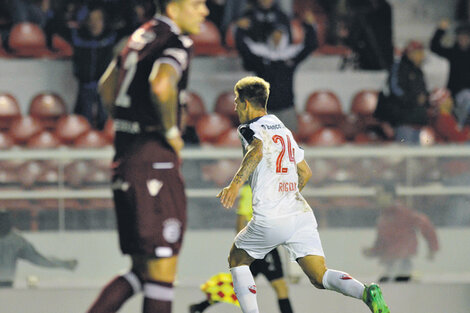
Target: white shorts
298,233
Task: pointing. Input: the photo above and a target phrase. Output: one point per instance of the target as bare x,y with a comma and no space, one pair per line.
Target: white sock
343,283
245,288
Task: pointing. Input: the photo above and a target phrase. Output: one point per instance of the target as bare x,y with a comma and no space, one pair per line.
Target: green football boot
372,296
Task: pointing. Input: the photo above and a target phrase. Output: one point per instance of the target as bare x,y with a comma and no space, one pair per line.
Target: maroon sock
113,295
158,297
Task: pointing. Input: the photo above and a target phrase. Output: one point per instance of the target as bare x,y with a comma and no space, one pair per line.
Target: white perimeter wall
205,252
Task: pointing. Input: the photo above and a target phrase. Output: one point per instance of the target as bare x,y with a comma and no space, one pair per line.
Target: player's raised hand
228,195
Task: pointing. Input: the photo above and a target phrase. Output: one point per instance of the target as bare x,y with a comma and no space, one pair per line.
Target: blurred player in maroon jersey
143,86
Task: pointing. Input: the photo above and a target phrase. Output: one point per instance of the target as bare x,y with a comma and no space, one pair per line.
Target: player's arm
107,85
164,80
251,160
304,172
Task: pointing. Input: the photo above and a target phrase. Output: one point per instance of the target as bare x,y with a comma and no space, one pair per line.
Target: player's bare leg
158,287
243,281
315,268
282,292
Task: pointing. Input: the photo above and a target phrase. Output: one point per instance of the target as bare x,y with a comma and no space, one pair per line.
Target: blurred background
56,146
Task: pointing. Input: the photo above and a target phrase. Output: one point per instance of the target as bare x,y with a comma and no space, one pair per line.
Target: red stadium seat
325,105
195,108
364,102
327,136
24,127
76,173
211,126
208,41
229,139
108,130
91,139
28,40
48,107
71,126
43,140
6,141
225,105
62,49
9,110
307,125
29,172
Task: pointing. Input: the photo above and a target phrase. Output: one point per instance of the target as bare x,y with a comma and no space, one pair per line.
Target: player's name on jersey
287,186
271,127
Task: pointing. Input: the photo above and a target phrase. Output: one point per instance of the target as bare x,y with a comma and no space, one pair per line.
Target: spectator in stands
458,56
34,11
396,241
462,12
275,60
13,246
404,101
258,20
444,122
93,44
368,32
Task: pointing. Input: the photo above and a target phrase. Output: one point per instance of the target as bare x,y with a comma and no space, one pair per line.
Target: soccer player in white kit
277,172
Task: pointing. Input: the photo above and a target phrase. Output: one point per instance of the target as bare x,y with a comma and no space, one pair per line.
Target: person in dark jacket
93,44
458,56
276,61
404,102
368,32
259,19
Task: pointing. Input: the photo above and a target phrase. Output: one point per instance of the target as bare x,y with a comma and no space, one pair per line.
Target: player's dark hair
253,89
5,222
160,5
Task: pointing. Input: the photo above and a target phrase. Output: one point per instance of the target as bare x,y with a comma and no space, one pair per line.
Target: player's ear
173,10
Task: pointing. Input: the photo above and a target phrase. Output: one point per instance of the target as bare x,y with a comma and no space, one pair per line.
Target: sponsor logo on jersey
272,127
171,230
252,289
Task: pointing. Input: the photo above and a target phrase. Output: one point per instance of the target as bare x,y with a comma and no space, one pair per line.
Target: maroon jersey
156,42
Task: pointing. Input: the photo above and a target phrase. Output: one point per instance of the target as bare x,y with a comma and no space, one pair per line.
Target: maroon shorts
150,201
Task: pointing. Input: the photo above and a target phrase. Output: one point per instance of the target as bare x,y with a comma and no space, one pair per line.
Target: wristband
172,133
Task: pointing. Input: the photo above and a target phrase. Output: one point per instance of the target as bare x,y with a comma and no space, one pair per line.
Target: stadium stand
229,139
209,41
71,126
48,107
24,127
211,126
327,136
225,105
326,106
43,140
9,110
28,40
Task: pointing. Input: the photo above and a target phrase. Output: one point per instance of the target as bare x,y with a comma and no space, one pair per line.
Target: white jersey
274,182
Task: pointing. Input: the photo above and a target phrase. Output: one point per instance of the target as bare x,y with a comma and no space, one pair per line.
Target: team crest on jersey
154,186
171,230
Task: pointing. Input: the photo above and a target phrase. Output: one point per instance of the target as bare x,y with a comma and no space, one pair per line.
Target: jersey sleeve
246,134
299,154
